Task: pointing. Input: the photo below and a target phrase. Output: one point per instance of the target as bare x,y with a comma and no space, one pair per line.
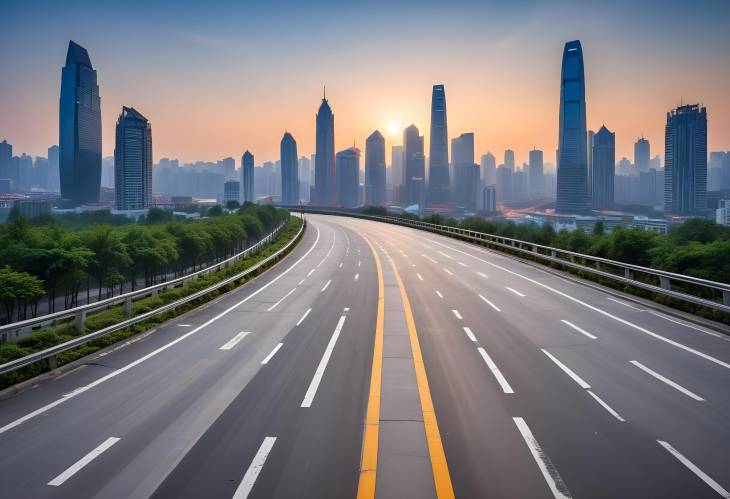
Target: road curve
478,376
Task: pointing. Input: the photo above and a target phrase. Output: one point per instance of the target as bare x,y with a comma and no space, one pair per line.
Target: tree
19,288
215,211
232,205
111,258
598,229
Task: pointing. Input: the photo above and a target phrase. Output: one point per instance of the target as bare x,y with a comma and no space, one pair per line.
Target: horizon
375,79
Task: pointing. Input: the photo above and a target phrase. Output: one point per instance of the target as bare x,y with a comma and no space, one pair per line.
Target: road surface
378,359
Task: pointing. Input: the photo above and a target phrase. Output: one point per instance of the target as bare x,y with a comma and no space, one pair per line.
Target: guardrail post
598,265
128,306
628,274
52,362
726,297
80,321
664,283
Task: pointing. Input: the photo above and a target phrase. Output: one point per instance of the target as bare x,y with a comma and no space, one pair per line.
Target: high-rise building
228,167
79,129
604,169
232,191
489,198
438,156
414,167
651,187
6,162
685,160
247,177
304,178
591,134
535,174
489,169
642,154
375,170
509,159
133,161
572,193
466,173
504,183
348,177
324,162
289,171
54,182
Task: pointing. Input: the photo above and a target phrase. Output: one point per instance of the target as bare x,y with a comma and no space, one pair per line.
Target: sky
217,78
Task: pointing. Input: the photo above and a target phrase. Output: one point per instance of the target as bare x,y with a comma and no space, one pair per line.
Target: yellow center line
369,458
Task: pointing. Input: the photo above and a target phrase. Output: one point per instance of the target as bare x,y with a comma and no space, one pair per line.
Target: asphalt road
492,378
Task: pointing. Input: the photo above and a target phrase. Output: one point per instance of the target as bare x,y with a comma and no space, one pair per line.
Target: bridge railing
52,352
711,294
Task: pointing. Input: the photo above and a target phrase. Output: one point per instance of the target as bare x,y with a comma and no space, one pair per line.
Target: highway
378,360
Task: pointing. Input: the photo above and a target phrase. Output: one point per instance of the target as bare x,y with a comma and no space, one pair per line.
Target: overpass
378,360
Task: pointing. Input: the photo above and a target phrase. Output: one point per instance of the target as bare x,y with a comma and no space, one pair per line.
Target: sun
393,128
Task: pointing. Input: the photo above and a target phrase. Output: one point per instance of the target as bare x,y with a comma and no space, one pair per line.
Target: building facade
604,169
535,173
685,160
414,167
348,178
133,161
231,191
324,192
642,154
466,173
375,170
439,186
289,170
247,178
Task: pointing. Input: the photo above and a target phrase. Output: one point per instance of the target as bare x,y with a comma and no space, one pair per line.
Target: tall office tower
304,180
396,163
231,191
466,173
489,169
604,169
589,146
489,198
438,167
247,177
375,170
6,161
504,183
642,155
685,160
572,193
348,177
535,175
228,167
414,167
54,182
509,159
79,129
324,161
289,171
133,161
25,172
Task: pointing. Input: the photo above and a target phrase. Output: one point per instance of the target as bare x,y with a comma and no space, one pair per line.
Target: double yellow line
369,459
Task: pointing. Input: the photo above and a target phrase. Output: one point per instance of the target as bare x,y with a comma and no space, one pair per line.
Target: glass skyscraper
414,168
289,170
247,177
133,161
572,191
685,160
348,178
438,166
79,129
324,160
604,169
375,170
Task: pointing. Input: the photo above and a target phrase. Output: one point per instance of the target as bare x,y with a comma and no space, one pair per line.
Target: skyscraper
535,173
289,170
466,173
604,169
324,161
489,169
641,155
685,160
509,159
133,161
572,192
53,180
414,167
6,161
348,177
247,177
438,156
79,129
375,170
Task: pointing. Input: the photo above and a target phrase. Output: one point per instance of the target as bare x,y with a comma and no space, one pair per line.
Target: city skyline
512,108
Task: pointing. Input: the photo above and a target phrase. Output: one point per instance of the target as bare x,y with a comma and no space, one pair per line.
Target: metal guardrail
627,273
52,352
80,312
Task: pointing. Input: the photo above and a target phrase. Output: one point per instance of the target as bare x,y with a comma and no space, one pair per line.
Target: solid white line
76,467
495,307
702,330
357,276
252,473
624,304
312,390
326,285
420,277
462,264
596,309
334,238
506,388
606,406
470,334
304,316
234,341
438,293
311,272
581,331
429,258
567,370
515,292
448,271
549,472
457,314
694,469
272,307
482,274
80,390
667,381
273,352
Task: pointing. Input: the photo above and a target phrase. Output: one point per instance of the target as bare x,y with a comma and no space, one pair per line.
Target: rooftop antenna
324,92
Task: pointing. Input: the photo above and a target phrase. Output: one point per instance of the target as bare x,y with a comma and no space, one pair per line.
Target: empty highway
378,360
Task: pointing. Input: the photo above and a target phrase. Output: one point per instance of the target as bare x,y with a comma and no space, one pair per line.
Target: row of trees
53,260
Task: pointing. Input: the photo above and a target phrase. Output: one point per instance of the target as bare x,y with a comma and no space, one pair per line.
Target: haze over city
216,79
